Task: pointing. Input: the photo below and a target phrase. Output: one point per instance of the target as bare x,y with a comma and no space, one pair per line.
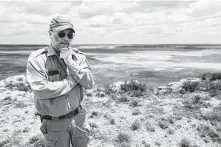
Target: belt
69,115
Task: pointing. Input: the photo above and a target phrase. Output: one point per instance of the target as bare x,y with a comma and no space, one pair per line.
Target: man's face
61,39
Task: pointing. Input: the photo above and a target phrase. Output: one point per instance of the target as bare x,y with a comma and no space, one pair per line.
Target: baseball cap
61,22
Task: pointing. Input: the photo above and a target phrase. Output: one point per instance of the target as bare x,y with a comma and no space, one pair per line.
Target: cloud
202,8
90,9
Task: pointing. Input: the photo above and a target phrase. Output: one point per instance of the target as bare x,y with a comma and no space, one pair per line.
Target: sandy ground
117,119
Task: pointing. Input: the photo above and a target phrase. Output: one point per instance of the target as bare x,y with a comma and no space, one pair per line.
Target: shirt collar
51,51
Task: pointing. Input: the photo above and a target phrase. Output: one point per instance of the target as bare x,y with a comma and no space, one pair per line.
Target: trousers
68,131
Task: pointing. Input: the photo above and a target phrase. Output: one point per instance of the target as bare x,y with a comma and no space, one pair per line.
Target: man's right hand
66,54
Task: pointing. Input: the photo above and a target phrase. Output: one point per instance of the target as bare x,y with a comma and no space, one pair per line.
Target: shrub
138,93
145,143
170,131
20,104
211,76
136,112
163,123
149,127
133,85
123,98
213,116
185,143
193,103
123,137
204,131
190,86
108,89
33,139
94,114
4,142
135,125
93,125
215,84
134,103
112,121
17,85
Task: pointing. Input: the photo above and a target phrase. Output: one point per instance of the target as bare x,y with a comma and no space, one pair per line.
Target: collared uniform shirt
57,88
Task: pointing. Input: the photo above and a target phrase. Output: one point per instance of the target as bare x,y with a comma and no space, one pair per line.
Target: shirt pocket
54,78
53,75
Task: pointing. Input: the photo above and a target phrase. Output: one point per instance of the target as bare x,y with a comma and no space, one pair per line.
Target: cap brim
64,27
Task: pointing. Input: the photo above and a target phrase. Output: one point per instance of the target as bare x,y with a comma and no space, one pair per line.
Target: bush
163,124
136,112
185,143
33,139
135,125
204,131
123,137
190,86
112,121
193,103
134,103
170,131
133,85
211,76
149,127
17,85
213,116
108,89
123,98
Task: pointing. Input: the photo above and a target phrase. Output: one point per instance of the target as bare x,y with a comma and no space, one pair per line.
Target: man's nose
66,37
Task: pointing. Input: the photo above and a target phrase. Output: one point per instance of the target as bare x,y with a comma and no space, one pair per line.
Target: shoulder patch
39,52
77,51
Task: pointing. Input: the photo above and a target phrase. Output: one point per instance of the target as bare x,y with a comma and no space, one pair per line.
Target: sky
114,21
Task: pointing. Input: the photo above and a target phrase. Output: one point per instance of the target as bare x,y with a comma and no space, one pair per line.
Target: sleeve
82,73
44,89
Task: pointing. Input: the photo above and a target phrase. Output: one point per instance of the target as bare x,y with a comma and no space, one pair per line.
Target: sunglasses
62,34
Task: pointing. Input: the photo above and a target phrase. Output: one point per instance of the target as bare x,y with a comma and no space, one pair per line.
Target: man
57,74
